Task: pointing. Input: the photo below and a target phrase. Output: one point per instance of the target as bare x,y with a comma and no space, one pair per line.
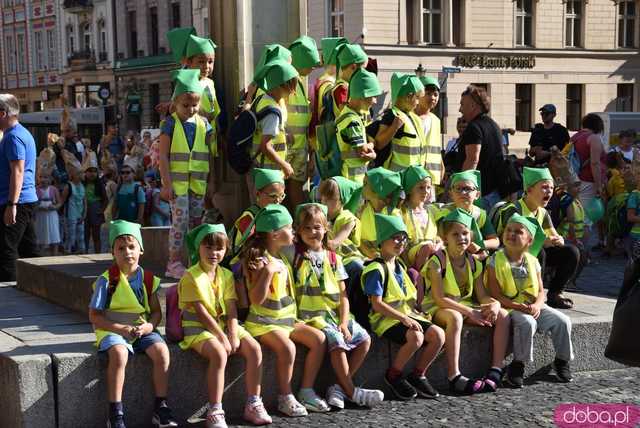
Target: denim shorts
335,339
139,346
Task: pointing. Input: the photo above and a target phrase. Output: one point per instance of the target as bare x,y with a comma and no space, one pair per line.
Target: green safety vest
418,234
279,141
408,150
189,168
298,117
525,293
353,167
348,250
577,222
209,104
433,149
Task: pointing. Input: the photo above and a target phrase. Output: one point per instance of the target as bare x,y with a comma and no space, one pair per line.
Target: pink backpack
173,325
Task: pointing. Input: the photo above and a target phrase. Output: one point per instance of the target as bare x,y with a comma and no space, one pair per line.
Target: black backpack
360,303
240,138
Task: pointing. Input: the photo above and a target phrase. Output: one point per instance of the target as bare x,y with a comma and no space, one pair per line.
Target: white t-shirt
628,156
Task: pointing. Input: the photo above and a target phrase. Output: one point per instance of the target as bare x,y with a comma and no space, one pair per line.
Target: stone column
448,23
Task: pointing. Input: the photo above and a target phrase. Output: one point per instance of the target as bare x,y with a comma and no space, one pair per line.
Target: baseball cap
548,108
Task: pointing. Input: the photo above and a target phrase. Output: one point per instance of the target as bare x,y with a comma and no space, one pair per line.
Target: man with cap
547,134
304,58
431,129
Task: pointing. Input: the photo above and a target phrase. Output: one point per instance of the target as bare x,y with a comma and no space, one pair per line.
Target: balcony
82,60
78,6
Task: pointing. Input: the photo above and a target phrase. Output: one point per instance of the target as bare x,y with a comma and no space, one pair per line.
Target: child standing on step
514,279
47,222
75,211
452,278
323,304
125,312
394,315
185,160
273,315
210,323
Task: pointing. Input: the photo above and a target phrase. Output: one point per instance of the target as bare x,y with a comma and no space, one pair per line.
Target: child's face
283,236
334,205
204,62
127,175
187,105
312,233
271,194
430,98
625,143
408,102
91,174
574,189
516,237
394,246
126,251
458,237
541,192
464,193
421,192
362,104
211,255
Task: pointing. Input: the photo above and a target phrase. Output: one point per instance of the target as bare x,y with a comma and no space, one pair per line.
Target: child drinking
323,304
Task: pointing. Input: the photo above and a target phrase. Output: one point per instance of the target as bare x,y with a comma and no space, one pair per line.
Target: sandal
463,386
492,380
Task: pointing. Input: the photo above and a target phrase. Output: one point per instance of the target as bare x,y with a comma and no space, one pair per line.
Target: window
133,34
624,100
103,41
11,54
70,40
431,22
39,43
336,18
153,21
87,37
524,19
154,100
51,49
205,26
523,107
626,23
574,107
21,50
175,15
573,24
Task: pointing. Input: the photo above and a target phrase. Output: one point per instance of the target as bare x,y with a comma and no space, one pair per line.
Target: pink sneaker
256,414
175,270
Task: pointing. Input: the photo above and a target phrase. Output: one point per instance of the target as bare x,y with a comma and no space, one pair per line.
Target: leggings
186,213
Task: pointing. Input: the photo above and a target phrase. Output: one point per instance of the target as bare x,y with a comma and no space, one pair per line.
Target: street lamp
420,70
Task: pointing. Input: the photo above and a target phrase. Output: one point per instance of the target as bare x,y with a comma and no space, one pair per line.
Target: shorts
398,333
335,339
299,160
139,346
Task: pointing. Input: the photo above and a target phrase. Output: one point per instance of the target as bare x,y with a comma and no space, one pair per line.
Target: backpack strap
442,259
148,279
265,111
333,259
114,279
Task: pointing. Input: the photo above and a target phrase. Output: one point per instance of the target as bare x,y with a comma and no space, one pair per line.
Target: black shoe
422,386
162,418
562,369
401,388
515,374
116,421
558,301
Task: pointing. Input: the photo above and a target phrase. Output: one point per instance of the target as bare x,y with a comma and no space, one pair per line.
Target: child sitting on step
207,298
125,312
514,279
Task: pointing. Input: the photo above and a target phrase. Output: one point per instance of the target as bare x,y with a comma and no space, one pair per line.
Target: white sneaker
215,419
336,396
367,397
312,402
288,405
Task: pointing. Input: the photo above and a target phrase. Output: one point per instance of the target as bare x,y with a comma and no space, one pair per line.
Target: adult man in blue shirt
18,197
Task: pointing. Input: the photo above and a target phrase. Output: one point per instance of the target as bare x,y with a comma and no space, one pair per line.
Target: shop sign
496,61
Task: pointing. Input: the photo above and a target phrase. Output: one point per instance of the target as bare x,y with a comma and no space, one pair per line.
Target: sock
161,402
393,374
215,406
454,376
116,408
419,372
306,393
252,399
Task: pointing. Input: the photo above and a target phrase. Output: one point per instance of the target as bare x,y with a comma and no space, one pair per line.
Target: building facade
31,67
87,52
143,59
581,55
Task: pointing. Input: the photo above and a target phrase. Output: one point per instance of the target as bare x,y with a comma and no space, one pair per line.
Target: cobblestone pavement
530,406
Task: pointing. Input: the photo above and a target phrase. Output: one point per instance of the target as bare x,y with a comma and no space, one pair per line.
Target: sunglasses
464,190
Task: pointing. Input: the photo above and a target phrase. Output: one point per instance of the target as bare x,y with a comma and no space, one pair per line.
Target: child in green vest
431,129
356,151
207,298
572,225
420,218
184,161
394,314
514,279
400,126
272,315
350,58
279,80
125,312
342,198
452,279
464,190
322,300
304,58
382,193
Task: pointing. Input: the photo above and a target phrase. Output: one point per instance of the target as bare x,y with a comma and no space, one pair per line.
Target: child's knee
287,351
414,338
253,349
159,353
435,335
118,355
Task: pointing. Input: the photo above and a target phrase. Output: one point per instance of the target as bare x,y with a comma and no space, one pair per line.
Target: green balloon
594,209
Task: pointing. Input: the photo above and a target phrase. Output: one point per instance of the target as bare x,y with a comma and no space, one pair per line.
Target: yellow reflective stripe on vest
297,109
189,169
123,317
261,319
317,302
276,305
407,151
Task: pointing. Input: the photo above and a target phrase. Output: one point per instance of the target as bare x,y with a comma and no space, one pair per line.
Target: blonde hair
308,214
330,189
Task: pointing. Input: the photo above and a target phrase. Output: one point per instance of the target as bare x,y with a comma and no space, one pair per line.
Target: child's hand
234,341
143,329
411,324
534,310
129,332
476,318
490,311
344,329
272,267
167,193
557,240
287,170
473,248
225,343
